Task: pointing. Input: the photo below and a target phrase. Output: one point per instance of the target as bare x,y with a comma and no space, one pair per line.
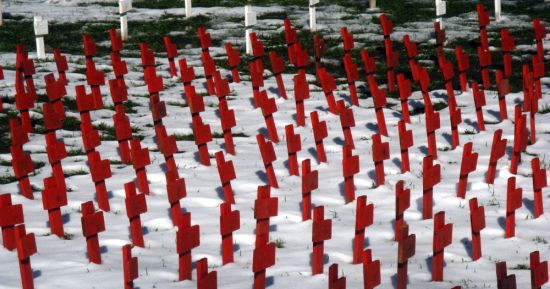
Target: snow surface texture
63,263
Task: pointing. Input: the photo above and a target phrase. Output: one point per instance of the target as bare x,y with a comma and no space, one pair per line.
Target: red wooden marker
268,156
171,54
56,90
227,118
203,135
538,73
53,198
291,37
10,216
431,176
229,222
463,64
176,190
503,88
380,101
205,279
263,257
222,86
347,40
405,142
412,53
443,237
207,61
448,73
167,146
483,21
424,81
293,145
405,92
520,139
119,69
319,49
513,202
432,124
380,152
265,207
498,149
539,270
310,182
371,270
234,59
479,102
55,148
18,135
136,204
320,132
391,56
406,249
352,74
321,231
140,159
269,107
333,281
257,81
187,238
301,93
508,44
277,68
440,39
540,35
469,164
364,217
116,41
26,247
328,84
209,69
350,167
302,58
129,266
123,132
25,91
347,121
227,173
539,182
504,281
61,65
485,61
258,52
477,221
100,171
369,64
402,203
1,78
92,224
187,75
22,166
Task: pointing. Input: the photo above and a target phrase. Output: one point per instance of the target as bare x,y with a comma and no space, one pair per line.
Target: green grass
70,173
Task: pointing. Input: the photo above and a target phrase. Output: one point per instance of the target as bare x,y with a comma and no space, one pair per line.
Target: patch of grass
70,173
184,137
279,243
540,240
520,267
71,123
439,105
6,179
75,152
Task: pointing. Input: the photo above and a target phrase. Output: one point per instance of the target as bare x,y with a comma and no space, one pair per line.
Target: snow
63,263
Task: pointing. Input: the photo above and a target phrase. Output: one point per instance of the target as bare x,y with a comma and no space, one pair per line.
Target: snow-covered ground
62,263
